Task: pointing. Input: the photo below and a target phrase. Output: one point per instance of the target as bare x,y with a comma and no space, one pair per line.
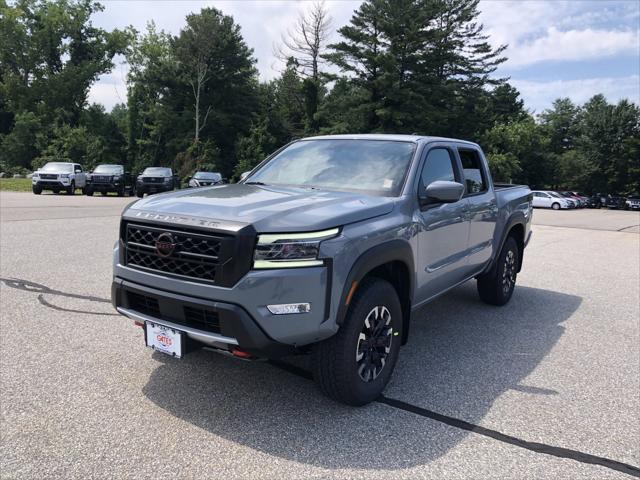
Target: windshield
110,169
207,176
555,194
373,166
58,167
158,171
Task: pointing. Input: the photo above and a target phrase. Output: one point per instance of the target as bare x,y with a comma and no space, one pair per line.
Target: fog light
285,308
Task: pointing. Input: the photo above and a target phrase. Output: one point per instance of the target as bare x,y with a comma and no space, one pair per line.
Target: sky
556,48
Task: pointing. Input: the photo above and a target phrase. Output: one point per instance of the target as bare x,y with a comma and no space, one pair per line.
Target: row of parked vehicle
568,200
69,177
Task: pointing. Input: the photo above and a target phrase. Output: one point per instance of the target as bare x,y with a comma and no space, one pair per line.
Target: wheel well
517,232
397,274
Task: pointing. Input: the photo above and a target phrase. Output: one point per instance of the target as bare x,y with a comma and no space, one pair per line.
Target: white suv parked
57,176
548,199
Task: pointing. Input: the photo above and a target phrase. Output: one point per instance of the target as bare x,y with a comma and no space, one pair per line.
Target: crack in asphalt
536,447
62,309
29,286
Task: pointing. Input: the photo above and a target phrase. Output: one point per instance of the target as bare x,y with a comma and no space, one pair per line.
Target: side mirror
78,171
244,175
443,191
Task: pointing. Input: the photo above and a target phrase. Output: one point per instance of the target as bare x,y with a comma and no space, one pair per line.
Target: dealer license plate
164,339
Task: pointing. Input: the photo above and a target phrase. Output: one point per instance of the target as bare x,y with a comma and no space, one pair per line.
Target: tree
422,64
217,67
303,46
519,152
302,49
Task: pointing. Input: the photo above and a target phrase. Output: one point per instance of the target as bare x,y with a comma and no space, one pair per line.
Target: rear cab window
475,178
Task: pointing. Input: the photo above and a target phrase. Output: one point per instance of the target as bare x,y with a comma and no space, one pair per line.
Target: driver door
444,229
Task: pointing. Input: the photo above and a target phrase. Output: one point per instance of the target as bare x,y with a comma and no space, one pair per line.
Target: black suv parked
615,202
109,178
156,179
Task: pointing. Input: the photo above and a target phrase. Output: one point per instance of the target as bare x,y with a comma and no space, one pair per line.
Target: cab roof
389,137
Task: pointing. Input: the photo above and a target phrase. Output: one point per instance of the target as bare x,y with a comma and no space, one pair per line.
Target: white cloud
537,31
539,95
573,45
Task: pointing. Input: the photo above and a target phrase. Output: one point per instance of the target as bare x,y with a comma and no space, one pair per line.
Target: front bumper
233,326
251,294
105,187
51,184
153,187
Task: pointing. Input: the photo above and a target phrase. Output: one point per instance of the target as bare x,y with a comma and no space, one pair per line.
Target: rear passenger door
444,230
482,212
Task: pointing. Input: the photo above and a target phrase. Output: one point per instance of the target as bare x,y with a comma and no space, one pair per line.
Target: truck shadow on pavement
461,356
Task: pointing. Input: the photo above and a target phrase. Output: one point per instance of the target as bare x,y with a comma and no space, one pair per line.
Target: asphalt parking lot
545,387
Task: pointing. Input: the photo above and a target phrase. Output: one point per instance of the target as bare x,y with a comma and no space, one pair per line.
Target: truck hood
267,208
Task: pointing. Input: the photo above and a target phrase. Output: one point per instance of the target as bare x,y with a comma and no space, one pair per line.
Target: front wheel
139,193
355,365
37,189
556,206
496,286
71,190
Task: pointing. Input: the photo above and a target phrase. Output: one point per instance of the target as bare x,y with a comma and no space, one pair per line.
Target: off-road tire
335,365
491,286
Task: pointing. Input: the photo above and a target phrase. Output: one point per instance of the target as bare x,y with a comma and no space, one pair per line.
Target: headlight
64,175
167,180
289,250
35,175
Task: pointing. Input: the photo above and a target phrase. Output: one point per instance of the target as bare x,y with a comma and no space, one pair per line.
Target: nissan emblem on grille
165,244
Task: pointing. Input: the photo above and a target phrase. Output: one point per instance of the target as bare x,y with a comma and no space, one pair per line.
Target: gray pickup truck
325,248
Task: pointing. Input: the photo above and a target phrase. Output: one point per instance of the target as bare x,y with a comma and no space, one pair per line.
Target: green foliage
195,102
15,184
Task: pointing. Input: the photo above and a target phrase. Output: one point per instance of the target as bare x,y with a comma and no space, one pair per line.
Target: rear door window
474,176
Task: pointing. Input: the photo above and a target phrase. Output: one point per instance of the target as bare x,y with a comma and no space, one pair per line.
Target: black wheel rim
509,272
374,343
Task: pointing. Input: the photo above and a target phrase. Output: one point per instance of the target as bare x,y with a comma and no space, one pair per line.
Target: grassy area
15,184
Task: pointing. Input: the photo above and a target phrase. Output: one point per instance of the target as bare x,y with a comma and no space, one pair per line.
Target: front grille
202,319
190,316
153,179
101,178
143,304
194,255
49,176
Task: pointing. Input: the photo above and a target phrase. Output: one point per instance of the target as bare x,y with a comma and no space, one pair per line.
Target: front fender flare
390,251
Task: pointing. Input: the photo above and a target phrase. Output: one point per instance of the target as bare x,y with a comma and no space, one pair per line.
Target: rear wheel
88,191
496,286
104,194
556,206
355,365
121,191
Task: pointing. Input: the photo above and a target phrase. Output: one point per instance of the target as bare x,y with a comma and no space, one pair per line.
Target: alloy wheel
374,343
509,272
